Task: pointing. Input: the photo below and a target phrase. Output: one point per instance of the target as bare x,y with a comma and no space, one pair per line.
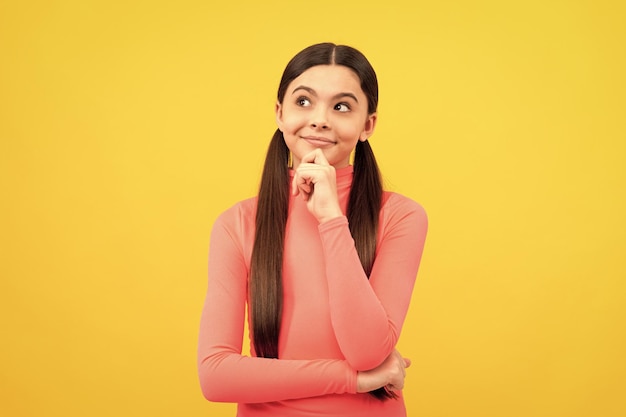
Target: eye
303,101
342,107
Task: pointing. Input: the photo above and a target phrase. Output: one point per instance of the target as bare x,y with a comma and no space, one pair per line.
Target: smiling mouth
318,141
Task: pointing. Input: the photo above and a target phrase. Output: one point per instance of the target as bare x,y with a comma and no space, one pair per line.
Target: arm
225,374
367,316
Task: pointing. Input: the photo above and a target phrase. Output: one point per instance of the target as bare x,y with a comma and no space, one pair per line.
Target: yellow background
126,127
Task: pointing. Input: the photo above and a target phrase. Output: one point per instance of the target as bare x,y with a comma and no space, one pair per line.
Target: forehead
328,78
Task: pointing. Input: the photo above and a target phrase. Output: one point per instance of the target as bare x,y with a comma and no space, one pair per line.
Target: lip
318,141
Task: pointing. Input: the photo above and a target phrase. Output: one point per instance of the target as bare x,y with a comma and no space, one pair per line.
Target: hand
389,374
316,182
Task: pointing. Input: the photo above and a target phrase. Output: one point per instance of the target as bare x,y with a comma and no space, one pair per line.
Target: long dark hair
266,296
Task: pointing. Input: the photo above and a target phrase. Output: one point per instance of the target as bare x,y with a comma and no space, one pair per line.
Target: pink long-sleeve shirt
335,321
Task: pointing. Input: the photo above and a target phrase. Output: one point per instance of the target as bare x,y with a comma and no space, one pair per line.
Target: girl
323,259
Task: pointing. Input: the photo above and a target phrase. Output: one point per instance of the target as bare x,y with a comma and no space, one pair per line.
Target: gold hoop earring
289,161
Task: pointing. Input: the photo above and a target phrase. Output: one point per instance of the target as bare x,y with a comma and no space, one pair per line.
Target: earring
289,161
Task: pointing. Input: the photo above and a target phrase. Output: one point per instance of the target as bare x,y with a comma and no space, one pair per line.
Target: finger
315,157
407,362
395,387
310,174
300,183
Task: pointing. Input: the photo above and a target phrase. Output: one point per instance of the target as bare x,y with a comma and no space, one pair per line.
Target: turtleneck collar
344,177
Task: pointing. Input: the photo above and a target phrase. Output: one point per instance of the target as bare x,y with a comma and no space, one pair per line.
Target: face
325,108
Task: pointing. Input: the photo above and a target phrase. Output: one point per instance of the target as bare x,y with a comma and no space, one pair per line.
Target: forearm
230,377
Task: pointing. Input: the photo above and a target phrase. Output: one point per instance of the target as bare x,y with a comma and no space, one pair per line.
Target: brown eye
303,102
342,107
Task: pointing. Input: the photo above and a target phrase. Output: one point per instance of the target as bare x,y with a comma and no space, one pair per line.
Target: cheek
350,133
290,125
292,121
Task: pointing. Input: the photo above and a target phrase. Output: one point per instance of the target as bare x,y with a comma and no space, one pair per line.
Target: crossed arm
366,315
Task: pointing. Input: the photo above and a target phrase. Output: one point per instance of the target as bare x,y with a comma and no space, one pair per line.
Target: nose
319,119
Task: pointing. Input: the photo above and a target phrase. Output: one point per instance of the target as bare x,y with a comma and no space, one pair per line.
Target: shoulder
244,208
238,218
235,227
398,206
402,216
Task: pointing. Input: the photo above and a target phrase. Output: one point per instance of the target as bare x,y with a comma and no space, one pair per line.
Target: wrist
361,382
330,217
367,381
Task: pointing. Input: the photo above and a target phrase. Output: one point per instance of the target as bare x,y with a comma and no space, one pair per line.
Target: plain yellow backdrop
126,127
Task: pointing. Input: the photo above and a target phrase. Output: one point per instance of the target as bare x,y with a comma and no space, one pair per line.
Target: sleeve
367,315
228,376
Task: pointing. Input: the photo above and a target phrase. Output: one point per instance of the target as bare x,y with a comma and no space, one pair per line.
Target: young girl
323,258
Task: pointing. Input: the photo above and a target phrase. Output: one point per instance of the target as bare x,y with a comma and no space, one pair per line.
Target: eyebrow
335,97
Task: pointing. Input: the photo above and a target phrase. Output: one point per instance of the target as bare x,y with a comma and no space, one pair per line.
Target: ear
368,128
279,116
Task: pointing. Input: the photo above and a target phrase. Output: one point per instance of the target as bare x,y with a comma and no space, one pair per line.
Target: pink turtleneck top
335,321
